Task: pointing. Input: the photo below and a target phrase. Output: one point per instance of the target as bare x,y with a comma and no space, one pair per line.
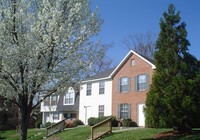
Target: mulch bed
174,134
168,134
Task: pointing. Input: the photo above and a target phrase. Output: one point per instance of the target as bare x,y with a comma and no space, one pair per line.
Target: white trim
65,98
94,80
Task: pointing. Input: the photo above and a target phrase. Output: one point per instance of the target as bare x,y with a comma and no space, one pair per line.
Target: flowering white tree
44,42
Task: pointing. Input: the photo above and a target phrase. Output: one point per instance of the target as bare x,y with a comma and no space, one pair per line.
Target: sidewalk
126,129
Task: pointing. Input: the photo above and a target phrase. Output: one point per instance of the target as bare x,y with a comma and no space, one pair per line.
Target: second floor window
124,84
69,98
47,101
54,100
101,87
142,82
89,89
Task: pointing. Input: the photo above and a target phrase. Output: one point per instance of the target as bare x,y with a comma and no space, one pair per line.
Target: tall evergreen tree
173,98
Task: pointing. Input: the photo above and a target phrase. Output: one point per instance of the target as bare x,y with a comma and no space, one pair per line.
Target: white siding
94,100
48,117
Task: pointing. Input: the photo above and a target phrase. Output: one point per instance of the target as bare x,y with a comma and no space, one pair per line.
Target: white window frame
124,86
56,116
46,101
124,111
102,87
142,82
101,110
54,99
69,95
132,62
89,89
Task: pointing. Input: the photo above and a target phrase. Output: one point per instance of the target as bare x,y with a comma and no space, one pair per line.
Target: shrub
37,124
92,121
128,123
134,124
77,122
47,124
69,123
114,121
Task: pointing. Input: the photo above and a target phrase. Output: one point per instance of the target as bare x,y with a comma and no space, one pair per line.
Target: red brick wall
133,97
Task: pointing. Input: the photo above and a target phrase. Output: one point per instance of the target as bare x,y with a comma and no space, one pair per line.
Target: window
101,87
47,101
132,62
101,110
56,116
141,82
124,111
89,89
69,98
54,99
124,84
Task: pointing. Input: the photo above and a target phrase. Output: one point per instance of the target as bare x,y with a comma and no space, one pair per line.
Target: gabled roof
100,76
148,60
109,73
72,108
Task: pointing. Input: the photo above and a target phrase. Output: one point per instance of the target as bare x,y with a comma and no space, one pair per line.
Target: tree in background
45,45
143,44
173,99
8,115
104,62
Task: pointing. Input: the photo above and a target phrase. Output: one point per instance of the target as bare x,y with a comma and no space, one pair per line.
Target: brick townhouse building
120,91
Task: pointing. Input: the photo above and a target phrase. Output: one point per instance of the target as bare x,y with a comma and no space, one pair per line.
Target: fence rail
55,128
101,129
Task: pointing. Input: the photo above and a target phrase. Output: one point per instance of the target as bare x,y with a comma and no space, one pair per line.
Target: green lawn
137,134
33,134
83,133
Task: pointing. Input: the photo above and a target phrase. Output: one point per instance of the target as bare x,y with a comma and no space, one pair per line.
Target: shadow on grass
111,134
194,135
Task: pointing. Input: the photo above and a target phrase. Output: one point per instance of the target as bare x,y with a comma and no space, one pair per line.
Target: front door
141,116
88,113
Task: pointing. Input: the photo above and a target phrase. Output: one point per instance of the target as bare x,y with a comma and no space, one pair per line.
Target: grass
83,133
33,134
80,133
137,134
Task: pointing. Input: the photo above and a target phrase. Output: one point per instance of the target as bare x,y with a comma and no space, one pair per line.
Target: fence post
101,129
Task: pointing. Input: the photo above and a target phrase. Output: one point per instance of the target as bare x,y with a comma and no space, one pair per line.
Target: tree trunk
24,122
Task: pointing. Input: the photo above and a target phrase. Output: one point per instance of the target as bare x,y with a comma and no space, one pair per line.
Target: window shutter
129,83
118,111
147,81
136,83
129,110
119,85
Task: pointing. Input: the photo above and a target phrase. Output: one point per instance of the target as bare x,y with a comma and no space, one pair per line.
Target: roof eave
95,80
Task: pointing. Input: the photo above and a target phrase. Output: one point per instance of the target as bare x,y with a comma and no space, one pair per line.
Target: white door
88,113
141,116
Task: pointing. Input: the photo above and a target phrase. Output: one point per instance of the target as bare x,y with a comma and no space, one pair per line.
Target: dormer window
69,98
54,100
